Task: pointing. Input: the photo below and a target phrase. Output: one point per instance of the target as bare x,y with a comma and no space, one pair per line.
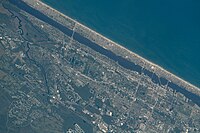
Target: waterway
164,32
123,62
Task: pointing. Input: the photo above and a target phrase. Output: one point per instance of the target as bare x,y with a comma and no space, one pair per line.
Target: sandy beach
149,65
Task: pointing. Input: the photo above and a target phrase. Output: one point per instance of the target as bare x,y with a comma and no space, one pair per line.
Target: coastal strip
110,45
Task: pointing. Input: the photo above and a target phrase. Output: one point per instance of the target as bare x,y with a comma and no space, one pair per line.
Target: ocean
165,32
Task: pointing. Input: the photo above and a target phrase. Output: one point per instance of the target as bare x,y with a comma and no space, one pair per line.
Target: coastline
129,55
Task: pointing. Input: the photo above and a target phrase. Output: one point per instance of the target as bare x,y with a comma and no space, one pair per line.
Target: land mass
109,44
57,75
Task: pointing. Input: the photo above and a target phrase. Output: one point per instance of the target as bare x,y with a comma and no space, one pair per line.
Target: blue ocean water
164,32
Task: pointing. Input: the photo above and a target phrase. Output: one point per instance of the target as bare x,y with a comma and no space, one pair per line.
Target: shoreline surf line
145,63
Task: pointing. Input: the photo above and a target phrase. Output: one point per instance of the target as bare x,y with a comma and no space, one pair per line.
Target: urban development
58,76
